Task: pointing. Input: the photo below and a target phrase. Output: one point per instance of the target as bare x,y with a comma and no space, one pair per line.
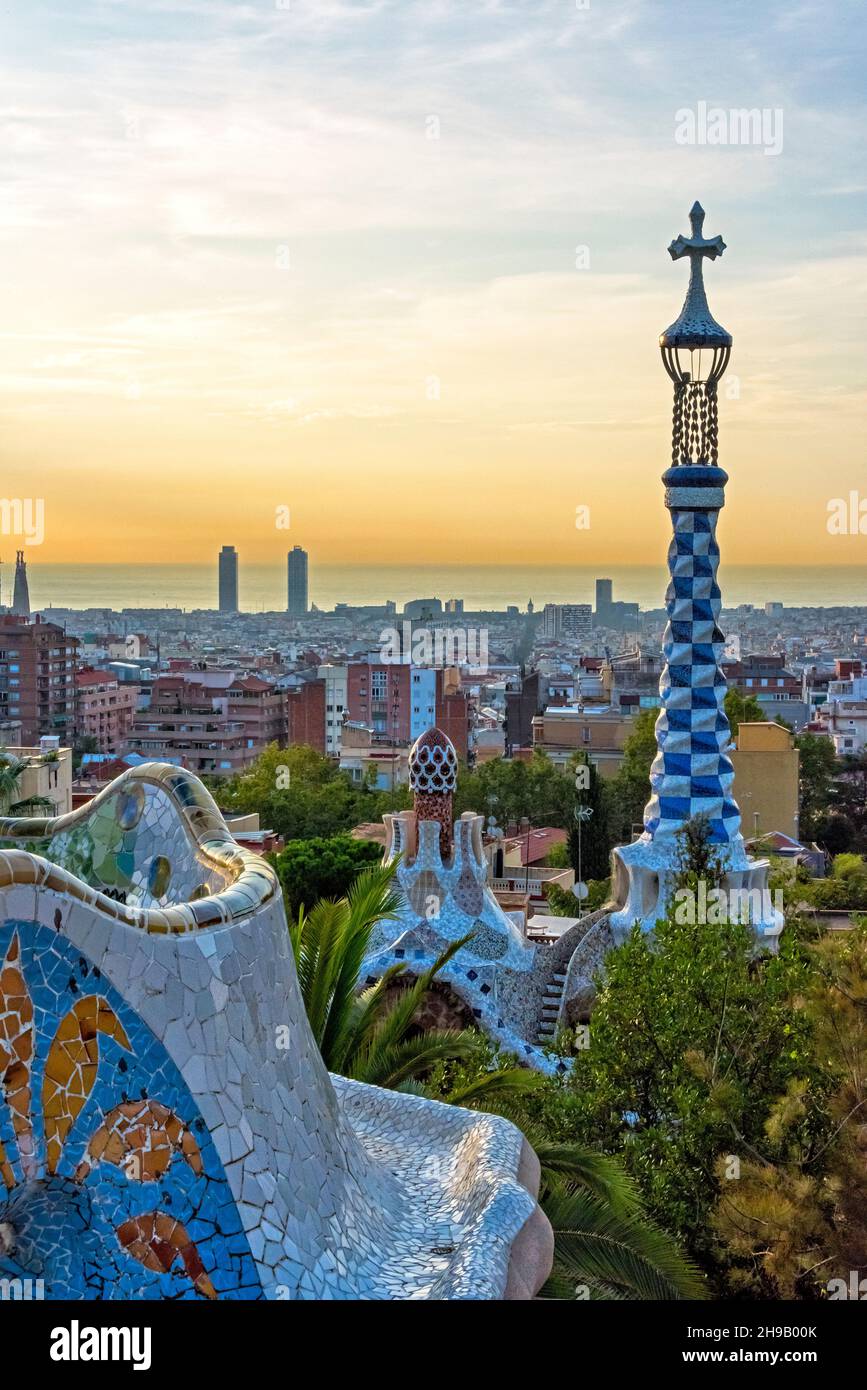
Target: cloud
238,211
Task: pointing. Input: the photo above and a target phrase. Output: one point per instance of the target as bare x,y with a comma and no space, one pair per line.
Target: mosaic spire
692,773
433,776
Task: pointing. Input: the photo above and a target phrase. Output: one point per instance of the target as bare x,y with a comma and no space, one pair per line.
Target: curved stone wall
167,1127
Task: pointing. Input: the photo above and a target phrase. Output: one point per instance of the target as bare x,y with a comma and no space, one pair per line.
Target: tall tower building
21,592
228,579
692,774
604,597
296,574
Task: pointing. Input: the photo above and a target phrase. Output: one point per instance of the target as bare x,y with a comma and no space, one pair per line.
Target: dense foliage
298,793
322,868
605,1246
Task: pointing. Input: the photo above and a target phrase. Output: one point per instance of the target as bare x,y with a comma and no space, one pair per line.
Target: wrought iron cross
695,327
696,246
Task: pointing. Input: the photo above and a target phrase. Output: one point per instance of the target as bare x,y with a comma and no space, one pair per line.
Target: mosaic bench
167,1126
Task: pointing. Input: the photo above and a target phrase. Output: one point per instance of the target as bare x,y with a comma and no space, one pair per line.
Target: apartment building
104,709
38,663
399,701
336,701
306,714
599,731
844,715
767,767
209,725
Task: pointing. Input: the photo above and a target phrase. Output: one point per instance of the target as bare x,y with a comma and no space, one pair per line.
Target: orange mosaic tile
156,1240
71,1066
6,1169
16,1058
142,1137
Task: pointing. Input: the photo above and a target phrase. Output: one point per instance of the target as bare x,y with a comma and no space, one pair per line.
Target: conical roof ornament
696,327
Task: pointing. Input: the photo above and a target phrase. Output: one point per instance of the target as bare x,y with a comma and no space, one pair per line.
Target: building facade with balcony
104,709
38,663
208,727
844,715
599,731
398,701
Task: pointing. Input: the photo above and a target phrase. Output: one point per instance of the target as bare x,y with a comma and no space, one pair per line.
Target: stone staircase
551,1007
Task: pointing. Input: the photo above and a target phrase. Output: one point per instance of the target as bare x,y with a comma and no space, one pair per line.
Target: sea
262,587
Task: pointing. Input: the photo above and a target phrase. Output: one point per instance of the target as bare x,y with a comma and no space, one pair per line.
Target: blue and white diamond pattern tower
692,774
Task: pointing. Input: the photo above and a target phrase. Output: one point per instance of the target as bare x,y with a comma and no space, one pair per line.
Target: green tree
11,772
629,790
595,839
742,709
605,1246
510,790
833,833
850,797
818,768
692,1040
299,793
322,868
797,1217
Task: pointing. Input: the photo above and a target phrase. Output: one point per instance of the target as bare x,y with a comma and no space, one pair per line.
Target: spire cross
696,246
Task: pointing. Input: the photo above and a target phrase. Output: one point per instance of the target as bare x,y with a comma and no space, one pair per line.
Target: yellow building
766,764
46,775
598,731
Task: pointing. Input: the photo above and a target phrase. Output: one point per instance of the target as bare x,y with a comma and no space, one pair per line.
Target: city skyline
257,294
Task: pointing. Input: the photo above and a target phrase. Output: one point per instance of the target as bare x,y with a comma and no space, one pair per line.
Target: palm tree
605,1247
369,1036
11,770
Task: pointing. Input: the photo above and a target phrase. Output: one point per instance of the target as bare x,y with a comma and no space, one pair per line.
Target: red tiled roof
541,842
252,683
95,677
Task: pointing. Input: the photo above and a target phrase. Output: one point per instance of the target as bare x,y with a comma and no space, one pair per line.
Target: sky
385,278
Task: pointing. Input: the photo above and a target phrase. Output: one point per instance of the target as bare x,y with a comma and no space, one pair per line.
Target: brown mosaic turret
433,776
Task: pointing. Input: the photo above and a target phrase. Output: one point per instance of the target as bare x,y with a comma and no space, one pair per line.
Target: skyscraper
21,592
604,597
228,579
296,573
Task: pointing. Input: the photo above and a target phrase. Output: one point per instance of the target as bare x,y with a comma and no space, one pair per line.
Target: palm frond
594,1246
394,1025
362,1017
489,1089
371,899
411,1057
573,1166
329,944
